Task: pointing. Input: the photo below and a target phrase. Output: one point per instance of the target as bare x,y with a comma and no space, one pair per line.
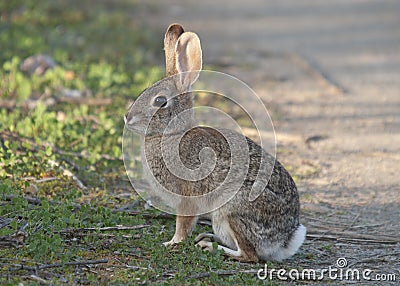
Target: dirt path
331,73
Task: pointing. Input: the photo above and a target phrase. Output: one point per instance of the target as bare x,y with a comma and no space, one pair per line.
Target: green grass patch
61,173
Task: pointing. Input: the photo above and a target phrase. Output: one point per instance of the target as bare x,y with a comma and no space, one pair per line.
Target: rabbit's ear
188,58
171,36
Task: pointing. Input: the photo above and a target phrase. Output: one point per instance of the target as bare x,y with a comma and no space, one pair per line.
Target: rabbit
264,228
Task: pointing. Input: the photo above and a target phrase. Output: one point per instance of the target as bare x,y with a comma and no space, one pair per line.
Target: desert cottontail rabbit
265,228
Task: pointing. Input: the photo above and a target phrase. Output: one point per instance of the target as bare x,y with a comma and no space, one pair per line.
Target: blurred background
327,71
346,38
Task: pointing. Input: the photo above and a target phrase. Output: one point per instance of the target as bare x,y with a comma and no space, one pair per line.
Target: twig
69,174
46,266
36,201
373,258
45,180
38,181
345,236
38,279
353,222
162,216
150,215
5,221
108,228
223,273
31,200
16,240
366,225
125,265
325,222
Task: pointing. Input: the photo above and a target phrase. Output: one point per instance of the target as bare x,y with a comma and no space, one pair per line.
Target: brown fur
248,230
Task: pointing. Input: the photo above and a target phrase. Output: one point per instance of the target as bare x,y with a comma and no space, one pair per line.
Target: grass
62,177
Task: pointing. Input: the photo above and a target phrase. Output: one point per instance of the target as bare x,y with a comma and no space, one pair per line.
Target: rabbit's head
167,106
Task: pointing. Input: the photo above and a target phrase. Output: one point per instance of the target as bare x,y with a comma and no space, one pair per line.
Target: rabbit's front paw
173,241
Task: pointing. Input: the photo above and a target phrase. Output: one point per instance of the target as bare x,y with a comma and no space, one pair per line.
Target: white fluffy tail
295,242
278,252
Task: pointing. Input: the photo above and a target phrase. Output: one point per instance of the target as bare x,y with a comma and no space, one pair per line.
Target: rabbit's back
278,198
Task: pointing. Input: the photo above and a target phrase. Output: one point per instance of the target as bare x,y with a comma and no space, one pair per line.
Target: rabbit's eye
160,101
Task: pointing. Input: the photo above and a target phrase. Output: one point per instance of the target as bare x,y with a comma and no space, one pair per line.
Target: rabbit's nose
130,119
